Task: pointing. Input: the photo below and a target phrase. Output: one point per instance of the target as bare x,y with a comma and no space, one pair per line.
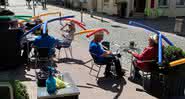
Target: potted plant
172,53
174,76
20,91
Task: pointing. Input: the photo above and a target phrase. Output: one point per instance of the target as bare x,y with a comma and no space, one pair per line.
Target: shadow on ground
17,73
114,85
74,61
22,72
151,89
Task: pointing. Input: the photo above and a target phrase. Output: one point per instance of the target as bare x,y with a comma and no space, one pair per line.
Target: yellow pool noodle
177,62
44,14
84,31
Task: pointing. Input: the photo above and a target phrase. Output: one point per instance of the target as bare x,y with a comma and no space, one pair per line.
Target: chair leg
143,80
59,54
65,52
92,64
70,50
36,63
98,71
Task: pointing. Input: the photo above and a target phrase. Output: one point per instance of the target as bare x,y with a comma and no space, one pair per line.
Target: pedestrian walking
44,4
28,4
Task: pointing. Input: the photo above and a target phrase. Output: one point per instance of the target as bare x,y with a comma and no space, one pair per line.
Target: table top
69,91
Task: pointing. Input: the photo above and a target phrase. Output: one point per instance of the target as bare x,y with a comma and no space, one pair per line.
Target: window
163,3
83,1
180,3
115,2
152,4
106,1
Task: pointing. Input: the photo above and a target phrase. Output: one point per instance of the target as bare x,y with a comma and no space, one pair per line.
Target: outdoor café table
71,92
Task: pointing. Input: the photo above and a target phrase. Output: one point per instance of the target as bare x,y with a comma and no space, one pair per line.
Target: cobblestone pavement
79,66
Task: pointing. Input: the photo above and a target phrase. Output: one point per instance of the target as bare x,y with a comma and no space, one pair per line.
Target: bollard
91,13
178,26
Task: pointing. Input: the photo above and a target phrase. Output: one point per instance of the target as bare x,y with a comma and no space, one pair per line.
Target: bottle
51,82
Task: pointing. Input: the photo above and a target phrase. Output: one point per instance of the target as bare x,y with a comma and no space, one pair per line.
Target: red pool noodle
96,31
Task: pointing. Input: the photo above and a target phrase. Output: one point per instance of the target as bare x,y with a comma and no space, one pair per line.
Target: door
123,9
139,5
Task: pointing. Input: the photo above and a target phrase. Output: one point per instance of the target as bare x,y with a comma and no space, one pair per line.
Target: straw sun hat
154,38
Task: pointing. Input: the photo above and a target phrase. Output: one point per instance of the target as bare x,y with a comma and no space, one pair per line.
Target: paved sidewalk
79,65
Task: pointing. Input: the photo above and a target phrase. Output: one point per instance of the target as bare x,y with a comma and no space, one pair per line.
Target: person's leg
108,63
118,68
29,5
45,4
42,3
137,75
107,70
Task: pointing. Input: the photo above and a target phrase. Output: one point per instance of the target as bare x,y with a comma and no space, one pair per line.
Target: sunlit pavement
79,66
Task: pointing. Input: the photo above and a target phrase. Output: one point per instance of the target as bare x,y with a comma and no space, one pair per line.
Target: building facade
151,8
155,8
107,6
128,8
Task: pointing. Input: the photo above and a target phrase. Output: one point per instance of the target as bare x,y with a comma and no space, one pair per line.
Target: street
79,65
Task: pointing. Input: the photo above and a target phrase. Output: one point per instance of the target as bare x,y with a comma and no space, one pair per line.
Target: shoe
121,74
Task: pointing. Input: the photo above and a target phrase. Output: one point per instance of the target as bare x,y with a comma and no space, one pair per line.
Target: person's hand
109,52
129,51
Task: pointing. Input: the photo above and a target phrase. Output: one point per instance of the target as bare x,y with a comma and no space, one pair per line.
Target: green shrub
20,91
172,53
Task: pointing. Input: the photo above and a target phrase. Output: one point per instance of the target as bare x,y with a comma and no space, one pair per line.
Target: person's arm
63,27
106,53
146,52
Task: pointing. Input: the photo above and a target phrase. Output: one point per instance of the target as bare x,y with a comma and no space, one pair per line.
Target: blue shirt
47,42
96,49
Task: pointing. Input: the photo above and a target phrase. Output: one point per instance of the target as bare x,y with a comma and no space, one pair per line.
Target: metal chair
42,55
69,47
145,72
94,62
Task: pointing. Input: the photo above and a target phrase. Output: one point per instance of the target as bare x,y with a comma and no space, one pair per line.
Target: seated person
33,23
47,41
68,35
27,41
149,53
104,56
22,26
39,30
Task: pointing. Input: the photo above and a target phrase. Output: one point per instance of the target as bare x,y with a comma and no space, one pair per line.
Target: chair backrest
152,66
66,45
42,52
94,56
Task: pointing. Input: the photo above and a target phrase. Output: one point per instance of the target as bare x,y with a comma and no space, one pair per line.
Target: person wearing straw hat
149,53
104,56
68,35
